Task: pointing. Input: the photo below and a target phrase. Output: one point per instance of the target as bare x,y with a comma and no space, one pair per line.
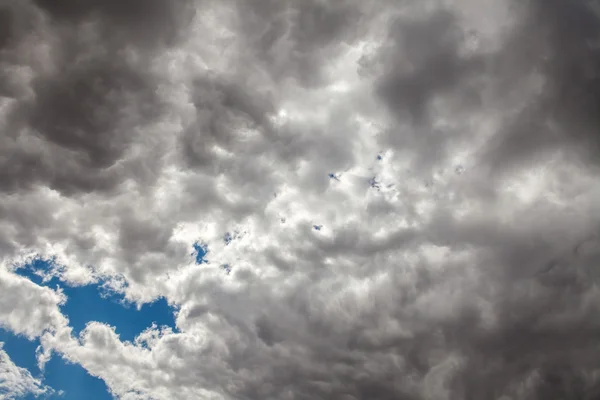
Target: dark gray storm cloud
559,40
296,39
542,339
83,120
5,33
223,108
509,311
75,117
149,22
423,61
542,342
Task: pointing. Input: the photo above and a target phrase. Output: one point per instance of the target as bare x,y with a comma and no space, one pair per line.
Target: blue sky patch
40,271
95,303
228,237
374,183
74,380
200,252
20,350
84,304
226,268
88,303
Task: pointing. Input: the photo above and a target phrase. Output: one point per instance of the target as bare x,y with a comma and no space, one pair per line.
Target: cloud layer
447,151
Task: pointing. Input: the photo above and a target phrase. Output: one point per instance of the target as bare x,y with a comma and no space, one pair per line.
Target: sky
64,379
294,200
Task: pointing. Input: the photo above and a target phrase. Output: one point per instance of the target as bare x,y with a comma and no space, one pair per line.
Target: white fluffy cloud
29,309
448,151
17,382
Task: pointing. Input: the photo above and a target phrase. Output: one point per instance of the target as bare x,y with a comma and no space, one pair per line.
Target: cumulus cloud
17,382
447,150
27,308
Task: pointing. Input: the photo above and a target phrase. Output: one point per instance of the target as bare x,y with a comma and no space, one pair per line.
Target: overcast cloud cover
448,151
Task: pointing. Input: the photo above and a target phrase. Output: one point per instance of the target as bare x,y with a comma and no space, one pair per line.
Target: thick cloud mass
398,200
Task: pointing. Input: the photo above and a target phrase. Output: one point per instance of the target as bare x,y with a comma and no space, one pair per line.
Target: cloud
569,33
17,382
136,129
37,310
